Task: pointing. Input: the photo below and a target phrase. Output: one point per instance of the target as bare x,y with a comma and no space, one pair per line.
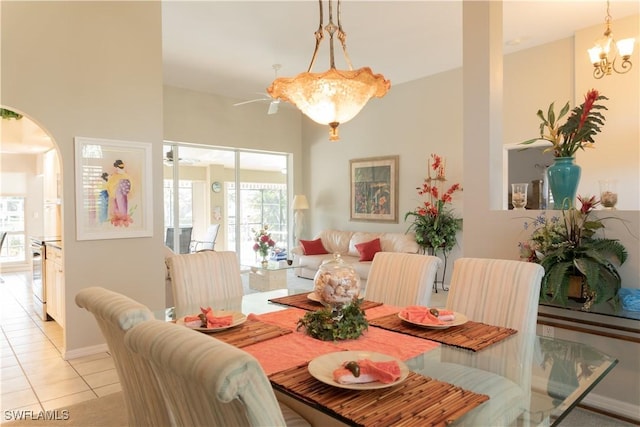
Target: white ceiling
229,47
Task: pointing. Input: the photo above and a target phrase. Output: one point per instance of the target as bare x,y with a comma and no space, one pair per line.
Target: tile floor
33,375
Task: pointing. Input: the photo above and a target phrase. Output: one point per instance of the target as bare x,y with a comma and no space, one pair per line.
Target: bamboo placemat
471,335
418,400
303,302
250,332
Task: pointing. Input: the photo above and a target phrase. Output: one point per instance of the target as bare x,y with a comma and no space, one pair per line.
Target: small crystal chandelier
599,54
335,96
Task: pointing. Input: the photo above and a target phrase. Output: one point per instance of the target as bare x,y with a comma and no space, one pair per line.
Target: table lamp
300,204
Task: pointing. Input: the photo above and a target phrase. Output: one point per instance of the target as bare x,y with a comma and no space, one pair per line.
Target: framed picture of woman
113,189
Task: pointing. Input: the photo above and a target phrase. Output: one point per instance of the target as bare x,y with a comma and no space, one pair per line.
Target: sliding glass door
238,191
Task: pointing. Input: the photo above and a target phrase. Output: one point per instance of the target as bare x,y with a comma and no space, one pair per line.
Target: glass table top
533,380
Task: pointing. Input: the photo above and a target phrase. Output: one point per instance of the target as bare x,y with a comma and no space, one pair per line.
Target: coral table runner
302,301
471,335
250,332
418,400
294,349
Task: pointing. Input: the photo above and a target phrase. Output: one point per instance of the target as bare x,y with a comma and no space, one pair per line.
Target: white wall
426,116
72,67
413,121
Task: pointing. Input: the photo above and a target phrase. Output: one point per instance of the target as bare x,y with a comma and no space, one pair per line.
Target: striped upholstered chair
208,382
207,278
116,314
402,279
501,293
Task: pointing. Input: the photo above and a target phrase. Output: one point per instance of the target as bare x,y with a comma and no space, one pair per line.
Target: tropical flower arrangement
263,241
578,132
567,247
434,223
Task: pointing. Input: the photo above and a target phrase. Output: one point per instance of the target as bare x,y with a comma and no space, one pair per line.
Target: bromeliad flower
578,132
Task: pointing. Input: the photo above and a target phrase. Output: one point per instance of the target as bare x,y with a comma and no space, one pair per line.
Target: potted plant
433,222
572,256
577,133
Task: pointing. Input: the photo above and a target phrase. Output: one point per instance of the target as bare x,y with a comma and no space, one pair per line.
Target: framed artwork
114,197
374,189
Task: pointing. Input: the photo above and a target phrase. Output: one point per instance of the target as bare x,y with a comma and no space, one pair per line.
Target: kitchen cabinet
54,283
51,172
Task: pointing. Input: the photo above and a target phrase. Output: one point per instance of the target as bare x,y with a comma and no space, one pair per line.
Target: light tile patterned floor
33,375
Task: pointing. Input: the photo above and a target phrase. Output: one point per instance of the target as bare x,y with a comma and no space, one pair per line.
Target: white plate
322,367
460,319
238,319
314,297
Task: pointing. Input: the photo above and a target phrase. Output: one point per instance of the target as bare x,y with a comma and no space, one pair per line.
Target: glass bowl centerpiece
337,286
336,283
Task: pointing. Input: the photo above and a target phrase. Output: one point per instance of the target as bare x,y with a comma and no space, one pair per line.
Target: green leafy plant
434,223
578,132
8,114
348,322
567,247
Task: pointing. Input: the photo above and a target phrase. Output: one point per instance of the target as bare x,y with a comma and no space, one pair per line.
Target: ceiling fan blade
273,106
250,101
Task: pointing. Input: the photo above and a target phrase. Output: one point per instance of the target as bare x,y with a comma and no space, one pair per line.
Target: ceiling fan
169,158
274,103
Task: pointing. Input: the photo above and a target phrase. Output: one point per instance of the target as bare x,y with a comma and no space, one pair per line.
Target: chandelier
603,55
335,96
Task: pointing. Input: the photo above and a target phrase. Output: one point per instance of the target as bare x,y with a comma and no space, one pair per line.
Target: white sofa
344,243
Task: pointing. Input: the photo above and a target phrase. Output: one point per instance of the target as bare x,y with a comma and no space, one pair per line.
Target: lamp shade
335,96
300,202
625,46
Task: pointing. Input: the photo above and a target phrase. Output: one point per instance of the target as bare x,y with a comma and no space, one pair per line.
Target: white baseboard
85,351
612,406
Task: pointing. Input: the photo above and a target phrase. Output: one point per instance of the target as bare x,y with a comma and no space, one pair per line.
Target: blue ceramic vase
564,176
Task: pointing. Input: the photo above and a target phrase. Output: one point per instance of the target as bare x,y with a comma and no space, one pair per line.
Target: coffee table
271,277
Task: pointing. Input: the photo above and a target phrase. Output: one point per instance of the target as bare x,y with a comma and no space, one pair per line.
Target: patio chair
209,241
184,239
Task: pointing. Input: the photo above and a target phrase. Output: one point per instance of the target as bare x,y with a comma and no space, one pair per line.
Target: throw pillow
313,247
367,250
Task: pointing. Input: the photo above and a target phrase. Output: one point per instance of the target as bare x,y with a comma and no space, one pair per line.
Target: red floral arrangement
578,132
434,224
263,241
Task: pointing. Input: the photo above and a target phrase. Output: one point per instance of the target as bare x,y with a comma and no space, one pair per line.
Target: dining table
467,374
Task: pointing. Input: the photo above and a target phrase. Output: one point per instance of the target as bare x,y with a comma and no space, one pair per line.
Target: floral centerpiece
434,223
263,242
578,131
570,253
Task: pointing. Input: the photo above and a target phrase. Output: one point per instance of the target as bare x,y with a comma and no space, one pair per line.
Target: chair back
209,241
401,279
184,239
116,314
207,382
205,279
497,292
502,293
